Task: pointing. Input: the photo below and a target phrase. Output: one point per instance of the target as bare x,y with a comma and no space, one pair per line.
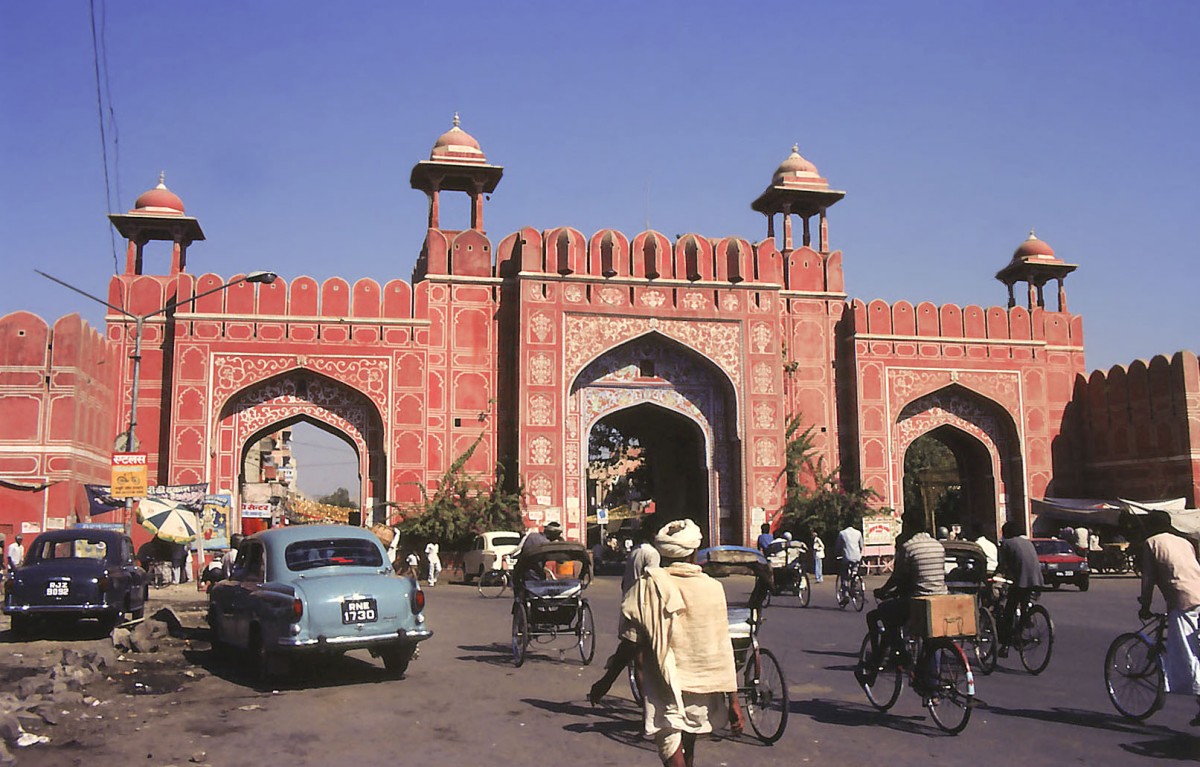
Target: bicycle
850,589
936,669
762,689
1133,670
493,583
1031,635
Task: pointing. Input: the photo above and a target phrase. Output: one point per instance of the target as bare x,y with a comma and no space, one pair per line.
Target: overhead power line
100,54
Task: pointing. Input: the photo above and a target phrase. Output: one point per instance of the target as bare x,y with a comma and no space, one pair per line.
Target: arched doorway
960,461
674,460
270,406
684,410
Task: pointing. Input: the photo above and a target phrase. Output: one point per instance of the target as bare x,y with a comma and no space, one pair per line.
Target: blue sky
289,129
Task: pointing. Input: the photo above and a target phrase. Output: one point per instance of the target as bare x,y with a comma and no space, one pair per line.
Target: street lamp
265,278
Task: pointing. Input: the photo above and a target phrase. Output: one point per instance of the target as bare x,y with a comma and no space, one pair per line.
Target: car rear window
332,552
506,540
75,548
1053,547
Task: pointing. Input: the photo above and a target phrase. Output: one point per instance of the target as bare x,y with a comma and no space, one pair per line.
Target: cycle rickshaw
761,684
548,583
967,573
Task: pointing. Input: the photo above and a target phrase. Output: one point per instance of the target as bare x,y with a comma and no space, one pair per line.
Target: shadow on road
1164,743
620,721
853,715
494,654
309,672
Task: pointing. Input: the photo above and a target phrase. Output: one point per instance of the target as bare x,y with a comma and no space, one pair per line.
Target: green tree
463,506
817,498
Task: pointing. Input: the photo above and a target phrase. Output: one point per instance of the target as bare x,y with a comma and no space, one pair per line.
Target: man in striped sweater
919,571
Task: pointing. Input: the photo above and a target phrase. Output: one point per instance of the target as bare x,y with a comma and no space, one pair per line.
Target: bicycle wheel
885,688
492,583
1133,677
586,633
1035,640
803,589
634,688
764,695
953,695
842,592
858,593
986,641
520,633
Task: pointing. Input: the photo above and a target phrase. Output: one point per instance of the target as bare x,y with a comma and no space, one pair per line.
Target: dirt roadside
70,692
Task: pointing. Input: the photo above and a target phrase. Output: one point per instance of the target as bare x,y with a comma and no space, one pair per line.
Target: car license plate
359,611
58,589
1068,573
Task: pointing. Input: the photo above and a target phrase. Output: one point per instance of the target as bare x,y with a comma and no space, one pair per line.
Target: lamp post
265,278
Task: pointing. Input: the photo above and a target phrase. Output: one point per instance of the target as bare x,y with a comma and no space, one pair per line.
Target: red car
1061,563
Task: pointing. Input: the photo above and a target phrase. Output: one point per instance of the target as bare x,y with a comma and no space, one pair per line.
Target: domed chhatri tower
1034,263
797,188
456,164
158,214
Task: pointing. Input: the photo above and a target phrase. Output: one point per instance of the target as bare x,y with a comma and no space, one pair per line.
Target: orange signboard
130,474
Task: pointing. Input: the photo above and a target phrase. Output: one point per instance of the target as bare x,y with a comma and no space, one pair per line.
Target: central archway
268,406
684,410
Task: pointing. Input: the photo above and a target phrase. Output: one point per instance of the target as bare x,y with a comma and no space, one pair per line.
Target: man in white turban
678,615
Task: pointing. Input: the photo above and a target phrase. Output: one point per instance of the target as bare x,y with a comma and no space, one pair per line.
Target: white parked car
486,551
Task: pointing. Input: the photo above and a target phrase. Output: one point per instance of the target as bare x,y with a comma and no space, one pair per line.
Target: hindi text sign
130,475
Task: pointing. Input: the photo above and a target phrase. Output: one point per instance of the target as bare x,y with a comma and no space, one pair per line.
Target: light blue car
316,589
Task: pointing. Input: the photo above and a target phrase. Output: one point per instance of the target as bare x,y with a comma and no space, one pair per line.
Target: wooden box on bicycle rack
944,615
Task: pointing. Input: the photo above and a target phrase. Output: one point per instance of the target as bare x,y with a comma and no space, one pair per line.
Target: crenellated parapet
1138,429
962,332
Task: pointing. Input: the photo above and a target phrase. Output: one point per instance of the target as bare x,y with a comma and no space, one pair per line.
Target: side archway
987,458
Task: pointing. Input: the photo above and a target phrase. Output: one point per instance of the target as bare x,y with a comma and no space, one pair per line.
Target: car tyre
396,659
1083,583
264,664
21,625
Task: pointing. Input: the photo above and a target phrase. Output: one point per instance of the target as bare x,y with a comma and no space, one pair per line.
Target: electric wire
103,137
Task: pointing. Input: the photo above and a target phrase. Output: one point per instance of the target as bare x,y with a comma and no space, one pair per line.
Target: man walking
679,615
15,555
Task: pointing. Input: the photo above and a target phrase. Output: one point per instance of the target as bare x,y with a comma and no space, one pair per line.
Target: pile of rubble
45,697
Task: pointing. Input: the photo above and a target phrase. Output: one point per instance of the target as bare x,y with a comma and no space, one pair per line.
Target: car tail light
418,601
297,608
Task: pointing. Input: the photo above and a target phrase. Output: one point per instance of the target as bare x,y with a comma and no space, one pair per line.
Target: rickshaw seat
739,622
563,587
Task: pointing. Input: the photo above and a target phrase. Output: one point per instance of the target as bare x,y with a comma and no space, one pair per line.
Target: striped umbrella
167,520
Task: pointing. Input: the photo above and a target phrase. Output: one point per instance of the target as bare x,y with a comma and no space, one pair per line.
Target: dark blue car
73,575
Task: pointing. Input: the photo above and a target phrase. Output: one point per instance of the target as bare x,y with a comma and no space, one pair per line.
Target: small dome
159,200
456,144
1033,248
795,169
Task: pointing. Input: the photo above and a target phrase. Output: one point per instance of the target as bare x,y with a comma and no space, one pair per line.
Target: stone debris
44,698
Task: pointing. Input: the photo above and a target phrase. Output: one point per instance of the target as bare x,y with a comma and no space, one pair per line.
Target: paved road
464,704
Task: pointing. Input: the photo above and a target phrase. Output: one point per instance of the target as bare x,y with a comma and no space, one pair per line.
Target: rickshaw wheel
520,633
804,589
765,696
986,641
586,633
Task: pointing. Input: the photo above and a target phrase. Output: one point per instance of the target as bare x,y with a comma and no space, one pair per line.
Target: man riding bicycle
1018,562
920,571
849,550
